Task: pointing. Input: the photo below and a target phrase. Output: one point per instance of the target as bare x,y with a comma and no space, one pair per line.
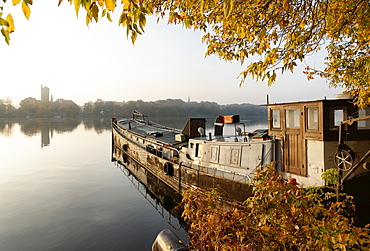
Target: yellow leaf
15,2
10,21
265,228
228,6
202,7
293,208
108,16
5,34
26,10
77,4
111,4
95,12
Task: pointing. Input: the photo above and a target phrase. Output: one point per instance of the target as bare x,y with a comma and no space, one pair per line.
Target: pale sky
56,49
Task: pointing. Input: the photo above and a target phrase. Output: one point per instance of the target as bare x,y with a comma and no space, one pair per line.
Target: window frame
365,121
272,111
332,122
296,118
307,118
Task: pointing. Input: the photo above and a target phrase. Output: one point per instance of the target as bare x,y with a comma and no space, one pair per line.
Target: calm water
59,190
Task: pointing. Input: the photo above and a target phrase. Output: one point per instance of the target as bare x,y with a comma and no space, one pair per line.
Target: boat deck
151,130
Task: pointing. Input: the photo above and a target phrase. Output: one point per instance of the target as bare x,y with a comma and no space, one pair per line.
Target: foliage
331,176
29,105
275,34
280,216
6,106
63,107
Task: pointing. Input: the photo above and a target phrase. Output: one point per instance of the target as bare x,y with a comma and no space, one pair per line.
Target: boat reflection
163,199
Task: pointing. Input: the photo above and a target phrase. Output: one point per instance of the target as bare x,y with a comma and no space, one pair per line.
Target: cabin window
292,118
275,114
196,150
363,124
312,118
336,117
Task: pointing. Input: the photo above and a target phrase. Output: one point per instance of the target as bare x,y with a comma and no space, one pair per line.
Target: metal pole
180,180
340,143
355,167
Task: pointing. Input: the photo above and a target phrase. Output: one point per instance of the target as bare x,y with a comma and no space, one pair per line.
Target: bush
280,216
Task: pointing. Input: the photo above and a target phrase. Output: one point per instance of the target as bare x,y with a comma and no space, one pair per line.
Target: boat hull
175,175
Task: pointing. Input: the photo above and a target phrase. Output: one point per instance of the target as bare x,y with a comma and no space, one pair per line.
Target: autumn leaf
111,4
228,5
109,17
15,2
26,10
265,228
77,4
5,34
10,21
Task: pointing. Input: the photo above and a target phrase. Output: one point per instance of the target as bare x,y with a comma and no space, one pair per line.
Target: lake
59,190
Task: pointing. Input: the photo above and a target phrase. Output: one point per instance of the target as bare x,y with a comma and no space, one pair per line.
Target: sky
56,49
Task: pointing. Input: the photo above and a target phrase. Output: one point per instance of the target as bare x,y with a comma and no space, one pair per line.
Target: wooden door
294,142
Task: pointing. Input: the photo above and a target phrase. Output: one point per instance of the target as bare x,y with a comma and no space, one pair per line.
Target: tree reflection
6,128
47,127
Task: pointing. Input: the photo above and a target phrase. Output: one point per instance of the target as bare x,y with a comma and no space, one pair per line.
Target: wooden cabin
307,137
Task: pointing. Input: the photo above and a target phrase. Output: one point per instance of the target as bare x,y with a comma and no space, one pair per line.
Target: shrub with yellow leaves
280,216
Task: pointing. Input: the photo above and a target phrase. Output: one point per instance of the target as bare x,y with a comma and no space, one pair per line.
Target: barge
304,139
188,158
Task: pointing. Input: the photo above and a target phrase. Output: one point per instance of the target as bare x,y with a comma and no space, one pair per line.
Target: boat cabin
222,155
309,135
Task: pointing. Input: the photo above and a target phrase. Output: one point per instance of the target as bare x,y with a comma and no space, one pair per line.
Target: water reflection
6,128
99,125
45,135
47,127
161,197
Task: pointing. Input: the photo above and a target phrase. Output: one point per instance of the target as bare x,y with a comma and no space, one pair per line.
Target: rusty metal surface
151,131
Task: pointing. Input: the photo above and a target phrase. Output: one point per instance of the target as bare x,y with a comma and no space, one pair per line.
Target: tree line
100,108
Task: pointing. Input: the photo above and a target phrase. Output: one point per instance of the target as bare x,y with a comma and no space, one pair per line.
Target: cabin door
294,143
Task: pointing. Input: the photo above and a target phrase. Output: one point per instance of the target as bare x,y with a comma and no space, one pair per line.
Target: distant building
45,93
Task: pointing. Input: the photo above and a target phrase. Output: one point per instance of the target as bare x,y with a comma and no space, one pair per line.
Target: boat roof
308,101
151,130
